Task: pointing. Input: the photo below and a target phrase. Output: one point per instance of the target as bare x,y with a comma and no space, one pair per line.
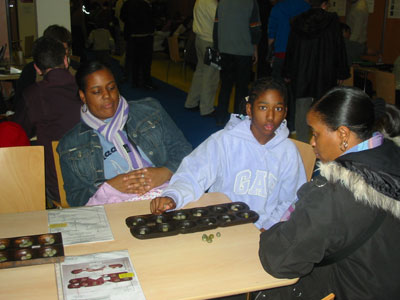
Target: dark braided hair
262,85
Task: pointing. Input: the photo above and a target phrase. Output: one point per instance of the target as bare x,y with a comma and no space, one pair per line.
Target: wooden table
9,76
176,267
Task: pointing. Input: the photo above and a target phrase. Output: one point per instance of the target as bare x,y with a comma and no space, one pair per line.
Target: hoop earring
343,146
84,108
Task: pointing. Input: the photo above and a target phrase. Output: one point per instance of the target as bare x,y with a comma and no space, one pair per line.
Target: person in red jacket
12,135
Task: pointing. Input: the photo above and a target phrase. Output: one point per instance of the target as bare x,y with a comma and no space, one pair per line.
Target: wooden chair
331,296
350,81
63,197
307,155
385,86
22,187
174,54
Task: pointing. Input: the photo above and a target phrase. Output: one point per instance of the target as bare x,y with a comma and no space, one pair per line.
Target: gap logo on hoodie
257,185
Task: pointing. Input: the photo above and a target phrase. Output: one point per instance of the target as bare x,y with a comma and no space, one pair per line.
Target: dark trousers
236,71
303,133
139,55
277,66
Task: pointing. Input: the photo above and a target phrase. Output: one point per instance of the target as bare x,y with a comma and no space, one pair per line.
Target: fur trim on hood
363,192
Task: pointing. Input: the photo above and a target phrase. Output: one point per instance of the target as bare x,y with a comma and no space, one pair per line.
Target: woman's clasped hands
140,181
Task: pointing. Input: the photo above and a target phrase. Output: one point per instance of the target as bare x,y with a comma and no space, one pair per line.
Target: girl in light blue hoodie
250,160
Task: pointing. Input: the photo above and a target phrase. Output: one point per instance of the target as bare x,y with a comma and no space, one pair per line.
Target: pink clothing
107,194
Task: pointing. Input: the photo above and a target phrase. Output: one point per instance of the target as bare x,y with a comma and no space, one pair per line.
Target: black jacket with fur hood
333,210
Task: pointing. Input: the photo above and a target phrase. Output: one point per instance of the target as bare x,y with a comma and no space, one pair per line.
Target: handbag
212,58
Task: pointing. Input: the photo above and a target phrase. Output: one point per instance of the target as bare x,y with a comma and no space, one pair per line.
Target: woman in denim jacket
119,151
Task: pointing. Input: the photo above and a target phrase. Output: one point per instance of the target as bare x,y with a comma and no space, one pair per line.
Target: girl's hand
160,204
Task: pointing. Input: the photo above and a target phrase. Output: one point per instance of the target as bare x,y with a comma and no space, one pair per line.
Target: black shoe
212,114
196,108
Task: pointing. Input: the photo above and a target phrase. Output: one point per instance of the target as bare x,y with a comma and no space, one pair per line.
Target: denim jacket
148,126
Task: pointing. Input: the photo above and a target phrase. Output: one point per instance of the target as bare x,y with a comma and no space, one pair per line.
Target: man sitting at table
52,105
29,76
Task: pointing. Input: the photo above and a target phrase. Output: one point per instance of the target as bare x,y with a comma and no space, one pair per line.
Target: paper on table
80,225
98,276
14,70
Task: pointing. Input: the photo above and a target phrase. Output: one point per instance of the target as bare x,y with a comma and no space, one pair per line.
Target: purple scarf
113,132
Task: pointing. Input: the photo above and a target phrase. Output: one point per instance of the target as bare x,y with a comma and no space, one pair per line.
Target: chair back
350,81
173,47
22,185
385,86
63,197
307,155
331,296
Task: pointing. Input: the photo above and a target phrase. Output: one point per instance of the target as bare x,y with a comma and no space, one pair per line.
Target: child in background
252,161
101,43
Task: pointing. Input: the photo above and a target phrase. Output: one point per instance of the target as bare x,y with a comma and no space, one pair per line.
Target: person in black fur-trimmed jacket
343,236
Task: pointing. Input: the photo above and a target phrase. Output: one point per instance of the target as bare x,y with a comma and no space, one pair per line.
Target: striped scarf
113,132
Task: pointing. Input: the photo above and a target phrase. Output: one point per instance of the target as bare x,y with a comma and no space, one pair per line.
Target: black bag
212,58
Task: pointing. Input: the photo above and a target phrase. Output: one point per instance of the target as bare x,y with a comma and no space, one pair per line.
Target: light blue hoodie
233,162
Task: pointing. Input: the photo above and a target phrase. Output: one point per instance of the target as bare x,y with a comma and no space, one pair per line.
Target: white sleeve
197,172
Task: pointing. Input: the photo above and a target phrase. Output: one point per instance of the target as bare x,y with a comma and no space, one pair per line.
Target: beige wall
26,21
49,12
392,41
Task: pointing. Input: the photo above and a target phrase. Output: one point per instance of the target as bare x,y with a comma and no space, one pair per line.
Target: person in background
119,151
342,237
119,26
278,33
206,78
117,13
52,105
78,29
139,30
315,59
160,37
236,34
29,75
279,29
251,160
12,135
263,64
357,19
101,43
354,50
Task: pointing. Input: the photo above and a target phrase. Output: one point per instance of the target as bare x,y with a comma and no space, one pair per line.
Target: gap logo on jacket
257,185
